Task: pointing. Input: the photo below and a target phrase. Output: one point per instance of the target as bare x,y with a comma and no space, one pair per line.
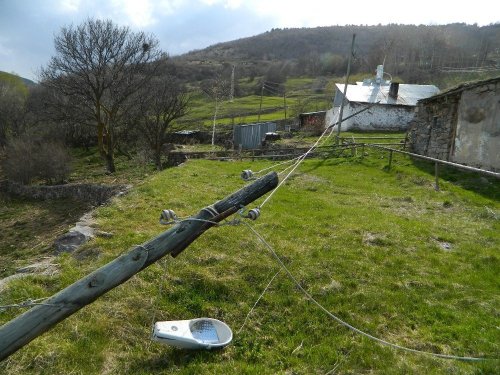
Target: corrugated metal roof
407,94
461,87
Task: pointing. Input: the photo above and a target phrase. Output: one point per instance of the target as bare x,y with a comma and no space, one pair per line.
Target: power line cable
258,299
299,161
347,325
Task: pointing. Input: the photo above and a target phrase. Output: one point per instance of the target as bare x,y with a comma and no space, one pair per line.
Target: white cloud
69,6
167,7
312,13
139,13
231,4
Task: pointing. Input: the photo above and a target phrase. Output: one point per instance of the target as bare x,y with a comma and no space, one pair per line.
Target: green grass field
301,97
380,249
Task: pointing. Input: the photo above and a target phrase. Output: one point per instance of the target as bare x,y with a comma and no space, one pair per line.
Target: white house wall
477,140
377,118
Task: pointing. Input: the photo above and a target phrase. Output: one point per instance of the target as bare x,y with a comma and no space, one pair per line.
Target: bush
27,160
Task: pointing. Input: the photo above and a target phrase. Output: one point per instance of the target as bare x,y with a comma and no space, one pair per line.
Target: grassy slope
29,227
365,242
245,109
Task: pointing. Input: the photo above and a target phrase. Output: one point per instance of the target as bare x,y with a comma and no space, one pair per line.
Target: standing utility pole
345,88
215,118
284,100
260,107
39,319
231,95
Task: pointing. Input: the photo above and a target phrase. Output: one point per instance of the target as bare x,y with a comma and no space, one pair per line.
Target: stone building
390,106
461,125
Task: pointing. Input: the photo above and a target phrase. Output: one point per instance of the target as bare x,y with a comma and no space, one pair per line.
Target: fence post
436,172
390,160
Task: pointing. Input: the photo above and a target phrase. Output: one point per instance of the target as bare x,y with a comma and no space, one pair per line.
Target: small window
436,121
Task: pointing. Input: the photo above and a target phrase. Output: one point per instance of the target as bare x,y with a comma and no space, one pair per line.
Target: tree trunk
158,158
110,162
109,153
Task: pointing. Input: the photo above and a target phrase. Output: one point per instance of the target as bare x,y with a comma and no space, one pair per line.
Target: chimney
380,74
393,90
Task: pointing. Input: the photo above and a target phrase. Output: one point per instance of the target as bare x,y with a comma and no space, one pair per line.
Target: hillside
417,54
27,82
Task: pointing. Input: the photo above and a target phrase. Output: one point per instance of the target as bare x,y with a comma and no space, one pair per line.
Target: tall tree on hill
164,101
98,67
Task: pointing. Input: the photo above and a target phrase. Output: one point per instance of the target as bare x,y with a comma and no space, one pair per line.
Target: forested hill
410,52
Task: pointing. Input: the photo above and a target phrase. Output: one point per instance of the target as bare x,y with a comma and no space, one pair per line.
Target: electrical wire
295,166
347,325
258,300
28,303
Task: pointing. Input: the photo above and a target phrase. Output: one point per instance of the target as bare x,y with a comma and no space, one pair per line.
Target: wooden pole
390,160
260,106
284,101
26,327
345,87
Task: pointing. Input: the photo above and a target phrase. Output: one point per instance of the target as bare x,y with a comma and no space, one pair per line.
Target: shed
312,119
461,125
251,136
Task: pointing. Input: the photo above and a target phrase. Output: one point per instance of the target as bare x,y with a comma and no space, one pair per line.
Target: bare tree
13,95
163,102
98,66
219,90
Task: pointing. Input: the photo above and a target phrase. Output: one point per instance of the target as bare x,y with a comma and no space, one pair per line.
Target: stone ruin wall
91,193
431,132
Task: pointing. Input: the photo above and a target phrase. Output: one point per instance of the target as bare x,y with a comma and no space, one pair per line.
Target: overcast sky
27,27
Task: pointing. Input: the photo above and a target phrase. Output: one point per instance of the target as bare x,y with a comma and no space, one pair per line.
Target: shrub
27,160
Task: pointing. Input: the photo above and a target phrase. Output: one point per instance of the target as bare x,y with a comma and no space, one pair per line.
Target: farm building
251,136
392,105
461,125
312,120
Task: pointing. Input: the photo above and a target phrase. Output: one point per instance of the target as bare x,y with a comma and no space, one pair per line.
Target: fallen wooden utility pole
26,327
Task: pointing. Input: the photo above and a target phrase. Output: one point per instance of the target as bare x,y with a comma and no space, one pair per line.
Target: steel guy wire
258,300
296,158
347,325
297,163
28,303
277,164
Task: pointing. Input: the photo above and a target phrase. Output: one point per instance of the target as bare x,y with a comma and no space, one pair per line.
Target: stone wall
431,132
477,136
379,117
462,126
91,193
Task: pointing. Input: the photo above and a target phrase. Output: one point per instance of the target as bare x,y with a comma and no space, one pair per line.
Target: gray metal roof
407,94
462,87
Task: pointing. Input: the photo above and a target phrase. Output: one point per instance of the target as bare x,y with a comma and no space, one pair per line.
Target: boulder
69,242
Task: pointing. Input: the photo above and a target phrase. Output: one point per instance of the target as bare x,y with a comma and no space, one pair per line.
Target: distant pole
231,95
345,88
284,101
215,118
261,94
